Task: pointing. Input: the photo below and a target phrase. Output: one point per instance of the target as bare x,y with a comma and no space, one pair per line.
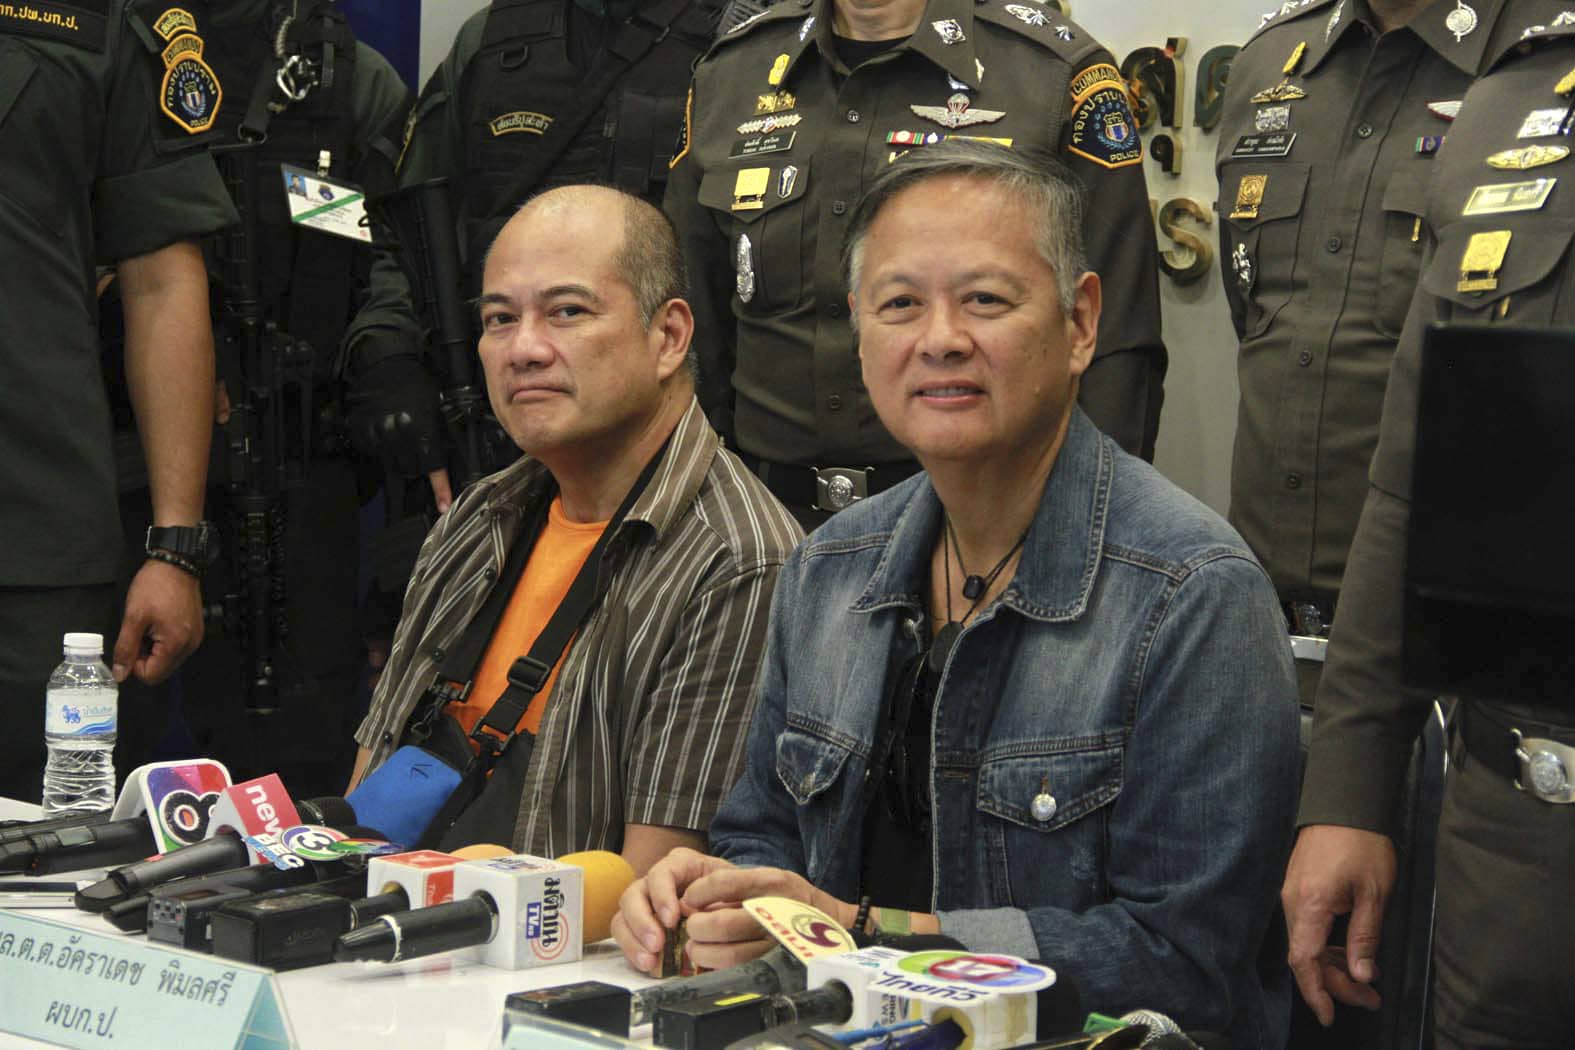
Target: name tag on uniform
1502,197
1276,144
755,145
323,204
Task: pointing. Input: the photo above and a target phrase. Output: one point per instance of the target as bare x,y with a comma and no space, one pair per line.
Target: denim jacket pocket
1042,819
808,765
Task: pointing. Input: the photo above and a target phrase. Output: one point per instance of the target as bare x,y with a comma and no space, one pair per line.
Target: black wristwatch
190,547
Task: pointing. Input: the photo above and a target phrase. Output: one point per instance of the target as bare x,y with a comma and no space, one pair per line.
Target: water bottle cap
82,642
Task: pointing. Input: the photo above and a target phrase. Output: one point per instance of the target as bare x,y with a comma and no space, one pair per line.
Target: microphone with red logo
516,912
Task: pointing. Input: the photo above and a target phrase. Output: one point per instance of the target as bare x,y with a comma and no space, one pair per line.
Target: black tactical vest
306,278
532,119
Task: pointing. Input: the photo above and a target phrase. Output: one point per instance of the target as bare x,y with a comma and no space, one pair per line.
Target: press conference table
429,1003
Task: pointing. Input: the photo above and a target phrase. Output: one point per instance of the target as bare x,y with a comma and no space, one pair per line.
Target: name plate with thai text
75,987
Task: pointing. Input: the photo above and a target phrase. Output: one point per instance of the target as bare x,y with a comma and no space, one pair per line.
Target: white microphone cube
858,970
539,904
426,876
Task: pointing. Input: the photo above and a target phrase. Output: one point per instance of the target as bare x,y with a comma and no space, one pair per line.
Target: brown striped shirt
646,723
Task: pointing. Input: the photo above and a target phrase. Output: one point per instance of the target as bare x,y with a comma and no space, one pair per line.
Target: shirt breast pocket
810,767
1524,288
1262,220
20,183
1043,819
1405,239
760,207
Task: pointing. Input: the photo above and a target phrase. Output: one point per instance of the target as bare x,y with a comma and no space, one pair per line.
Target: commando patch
1103,129
520,121
190,95
185,44
173,22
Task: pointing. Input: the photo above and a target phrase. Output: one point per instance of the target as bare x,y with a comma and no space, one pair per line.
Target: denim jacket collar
1060,558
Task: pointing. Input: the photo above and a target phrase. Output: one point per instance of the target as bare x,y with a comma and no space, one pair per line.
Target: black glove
394,416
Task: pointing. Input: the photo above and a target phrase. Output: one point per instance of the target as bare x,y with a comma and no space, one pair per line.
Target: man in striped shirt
639,729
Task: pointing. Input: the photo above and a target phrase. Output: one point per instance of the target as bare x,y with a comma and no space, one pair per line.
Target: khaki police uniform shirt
782,141
1366,720
94,168
1328,136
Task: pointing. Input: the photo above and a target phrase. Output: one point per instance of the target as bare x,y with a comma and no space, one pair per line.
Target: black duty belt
828,489
1537,758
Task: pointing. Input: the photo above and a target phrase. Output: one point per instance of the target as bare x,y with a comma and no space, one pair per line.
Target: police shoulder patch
191,94
1103,129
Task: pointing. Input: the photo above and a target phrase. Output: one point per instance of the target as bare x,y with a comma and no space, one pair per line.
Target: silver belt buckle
1545,767
837,488
1306,647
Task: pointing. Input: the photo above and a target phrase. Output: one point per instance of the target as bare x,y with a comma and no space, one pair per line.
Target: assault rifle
417,222
265,363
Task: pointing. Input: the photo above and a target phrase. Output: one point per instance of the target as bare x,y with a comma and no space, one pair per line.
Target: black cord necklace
975,587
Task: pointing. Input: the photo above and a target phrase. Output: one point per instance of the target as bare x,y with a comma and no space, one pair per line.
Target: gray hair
1052,194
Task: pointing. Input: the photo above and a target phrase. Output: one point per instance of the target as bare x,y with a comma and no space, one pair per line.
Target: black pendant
973,588
941,647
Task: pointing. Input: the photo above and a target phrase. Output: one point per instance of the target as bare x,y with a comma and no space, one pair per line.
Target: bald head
647,260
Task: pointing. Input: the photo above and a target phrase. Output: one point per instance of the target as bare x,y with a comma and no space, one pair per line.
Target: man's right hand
394,416
1337,870
653,905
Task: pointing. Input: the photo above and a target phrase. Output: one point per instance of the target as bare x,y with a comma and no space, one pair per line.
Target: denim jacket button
1043,807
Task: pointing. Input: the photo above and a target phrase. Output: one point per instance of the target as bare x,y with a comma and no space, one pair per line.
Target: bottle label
79,712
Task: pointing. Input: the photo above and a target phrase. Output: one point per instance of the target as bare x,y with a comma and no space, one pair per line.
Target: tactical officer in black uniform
274,689
533,94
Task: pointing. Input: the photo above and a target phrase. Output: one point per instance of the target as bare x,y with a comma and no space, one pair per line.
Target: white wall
1200,393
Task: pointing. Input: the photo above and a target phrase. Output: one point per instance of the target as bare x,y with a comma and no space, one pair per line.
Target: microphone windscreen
482,851
607,875
334,812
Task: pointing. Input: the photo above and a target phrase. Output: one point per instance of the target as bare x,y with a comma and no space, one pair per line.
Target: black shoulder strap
631,42
529,673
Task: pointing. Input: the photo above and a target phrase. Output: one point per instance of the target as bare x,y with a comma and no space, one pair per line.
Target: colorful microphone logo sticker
992,973
313,842
181,798
805,931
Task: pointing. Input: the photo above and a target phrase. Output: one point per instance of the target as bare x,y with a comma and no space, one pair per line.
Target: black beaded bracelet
169,558
863,917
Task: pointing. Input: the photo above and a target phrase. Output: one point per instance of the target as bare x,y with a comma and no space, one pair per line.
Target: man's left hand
162,623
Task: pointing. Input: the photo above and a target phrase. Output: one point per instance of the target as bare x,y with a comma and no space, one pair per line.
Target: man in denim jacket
1036,698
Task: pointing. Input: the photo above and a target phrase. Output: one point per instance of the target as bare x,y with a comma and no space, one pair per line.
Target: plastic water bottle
79,729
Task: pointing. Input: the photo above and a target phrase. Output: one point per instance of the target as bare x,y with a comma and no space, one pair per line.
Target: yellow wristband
894,921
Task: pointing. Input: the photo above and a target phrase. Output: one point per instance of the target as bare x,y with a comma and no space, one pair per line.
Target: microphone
16,831
775,971
291,928
152,797
538,906
713,1023
77,848
251,808
179,912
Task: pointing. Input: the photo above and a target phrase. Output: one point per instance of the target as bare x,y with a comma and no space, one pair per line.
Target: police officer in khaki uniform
791,115
1333,114
1506,843
84,179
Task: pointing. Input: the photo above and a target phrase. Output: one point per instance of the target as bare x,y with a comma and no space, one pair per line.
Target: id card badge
323,204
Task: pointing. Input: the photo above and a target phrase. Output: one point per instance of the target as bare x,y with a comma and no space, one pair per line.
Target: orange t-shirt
555,561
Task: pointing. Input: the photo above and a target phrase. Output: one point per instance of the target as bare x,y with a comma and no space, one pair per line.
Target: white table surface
437,1002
